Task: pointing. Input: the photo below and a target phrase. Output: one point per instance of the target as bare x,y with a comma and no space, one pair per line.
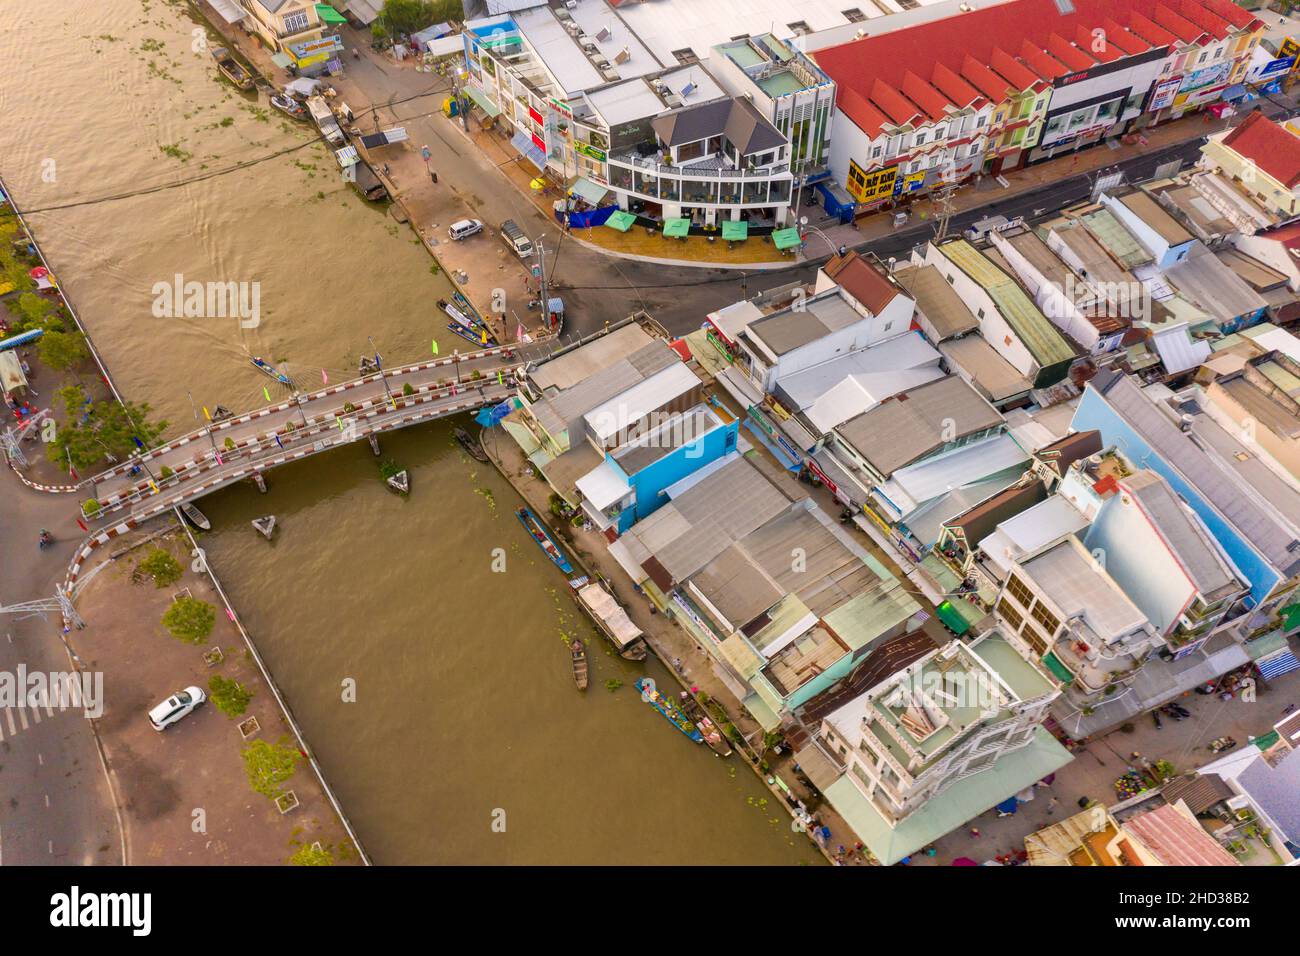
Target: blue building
1251,511
628,485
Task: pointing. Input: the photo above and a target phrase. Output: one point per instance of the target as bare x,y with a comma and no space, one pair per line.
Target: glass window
1046,618
1020,591
295,22
1011,615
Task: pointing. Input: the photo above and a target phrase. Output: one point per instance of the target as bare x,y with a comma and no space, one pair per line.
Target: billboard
1163,94
873,186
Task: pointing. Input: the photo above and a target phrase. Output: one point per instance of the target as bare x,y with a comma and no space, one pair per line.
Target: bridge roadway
193,465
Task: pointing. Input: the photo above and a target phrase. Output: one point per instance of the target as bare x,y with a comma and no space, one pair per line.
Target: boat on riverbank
268,369
713,737
578,654
543,539
470,444
232,69
611,619
196,517
670,711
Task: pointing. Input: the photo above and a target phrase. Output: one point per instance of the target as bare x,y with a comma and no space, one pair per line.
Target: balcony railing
690,185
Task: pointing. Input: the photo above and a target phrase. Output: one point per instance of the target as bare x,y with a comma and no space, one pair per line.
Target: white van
464,229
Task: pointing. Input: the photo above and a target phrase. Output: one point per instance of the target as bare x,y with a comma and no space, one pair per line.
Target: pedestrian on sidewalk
434,176
1051,806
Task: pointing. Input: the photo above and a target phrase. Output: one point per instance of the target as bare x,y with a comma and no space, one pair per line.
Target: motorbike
1170,712
1180,709
46,539
1155,716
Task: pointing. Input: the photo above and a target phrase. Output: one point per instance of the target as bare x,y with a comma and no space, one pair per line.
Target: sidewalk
165,778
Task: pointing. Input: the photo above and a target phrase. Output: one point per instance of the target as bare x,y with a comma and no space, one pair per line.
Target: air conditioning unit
571,4
672,99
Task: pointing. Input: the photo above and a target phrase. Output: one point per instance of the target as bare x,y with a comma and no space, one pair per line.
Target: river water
435,691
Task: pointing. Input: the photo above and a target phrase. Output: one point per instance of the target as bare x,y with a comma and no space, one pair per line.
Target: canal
434,689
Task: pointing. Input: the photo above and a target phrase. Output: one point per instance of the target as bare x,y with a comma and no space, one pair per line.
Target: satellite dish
803,220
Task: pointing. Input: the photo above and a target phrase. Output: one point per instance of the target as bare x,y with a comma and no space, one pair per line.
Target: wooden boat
543,539
287,104
196,517
670,711
400,482
611,618
232,69
268,369
579,656
713,737
470,444
265,525
221,412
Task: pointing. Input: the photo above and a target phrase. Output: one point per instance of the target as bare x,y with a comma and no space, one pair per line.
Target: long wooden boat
232,69
196,517
670,711
470,444
579,657
543,539
713,737
267,368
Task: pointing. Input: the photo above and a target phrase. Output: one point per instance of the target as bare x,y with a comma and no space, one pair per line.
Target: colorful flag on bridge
82,525
278,442
153,487
435,346
267,392
324,378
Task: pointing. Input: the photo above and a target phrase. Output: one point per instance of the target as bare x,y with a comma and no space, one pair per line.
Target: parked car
175,707
464,229
516,240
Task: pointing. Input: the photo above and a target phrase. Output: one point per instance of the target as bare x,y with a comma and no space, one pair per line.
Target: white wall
1128,546
1271,253
1050,297
993,327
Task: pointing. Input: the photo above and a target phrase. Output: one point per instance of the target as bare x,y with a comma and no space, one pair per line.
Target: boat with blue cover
543,539
670,711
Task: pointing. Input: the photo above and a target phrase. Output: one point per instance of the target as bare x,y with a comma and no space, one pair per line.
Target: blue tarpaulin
528,149
1009,805
590,218
487,417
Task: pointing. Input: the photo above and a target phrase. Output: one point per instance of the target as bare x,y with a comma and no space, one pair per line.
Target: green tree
62,351
312,856
407,16
162,567
189,619
230,696
269,765
91,430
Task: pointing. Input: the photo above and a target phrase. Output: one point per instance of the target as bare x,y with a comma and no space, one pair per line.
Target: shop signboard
870,187
1206,77
909,183
1164,93
1290,48
1277,67
591,152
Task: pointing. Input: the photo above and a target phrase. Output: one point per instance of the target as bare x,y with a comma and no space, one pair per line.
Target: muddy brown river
465,711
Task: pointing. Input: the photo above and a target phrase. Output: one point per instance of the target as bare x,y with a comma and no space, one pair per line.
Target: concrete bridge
246,446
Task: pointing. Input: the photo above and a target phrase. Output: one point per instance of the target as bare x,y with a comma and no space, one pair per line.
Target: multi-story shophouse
990,89
282,23
604,101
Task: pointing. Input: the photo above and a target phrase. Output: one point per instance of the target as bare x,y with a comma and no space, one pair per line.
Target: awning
677,228
228,10
1290,617
367,11
482,102
522,142
735,230
1234,92
329,15
622,221
786,238
588,191
1283,662
282,60
1059,670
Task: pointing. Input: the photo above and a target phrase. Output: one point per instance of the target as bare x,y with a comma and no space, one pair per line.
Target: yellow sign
872,186
1290,47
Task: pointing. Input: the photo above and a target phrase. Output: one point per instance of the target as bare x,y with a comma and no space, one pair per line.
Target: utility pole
943,203
208,429
382,377
455,93
541,264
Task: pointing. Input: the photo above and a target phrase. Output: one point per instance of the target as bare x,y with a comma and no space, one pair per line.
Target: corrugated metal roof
1115,239
993,375
1190,543
1039,336
1177,841
942,307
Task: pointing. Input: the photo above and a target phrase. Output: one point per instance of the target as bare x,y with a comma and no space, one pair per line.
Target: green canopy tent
329,15
735,230
677,228
786,238
622,221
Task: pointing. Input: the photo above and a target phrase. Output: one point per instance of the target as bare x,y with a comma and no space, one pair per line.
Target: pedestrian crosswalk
14,720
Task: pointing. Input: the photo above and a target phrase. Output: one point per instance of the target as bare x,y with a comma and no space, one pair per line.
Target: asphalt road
55,804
